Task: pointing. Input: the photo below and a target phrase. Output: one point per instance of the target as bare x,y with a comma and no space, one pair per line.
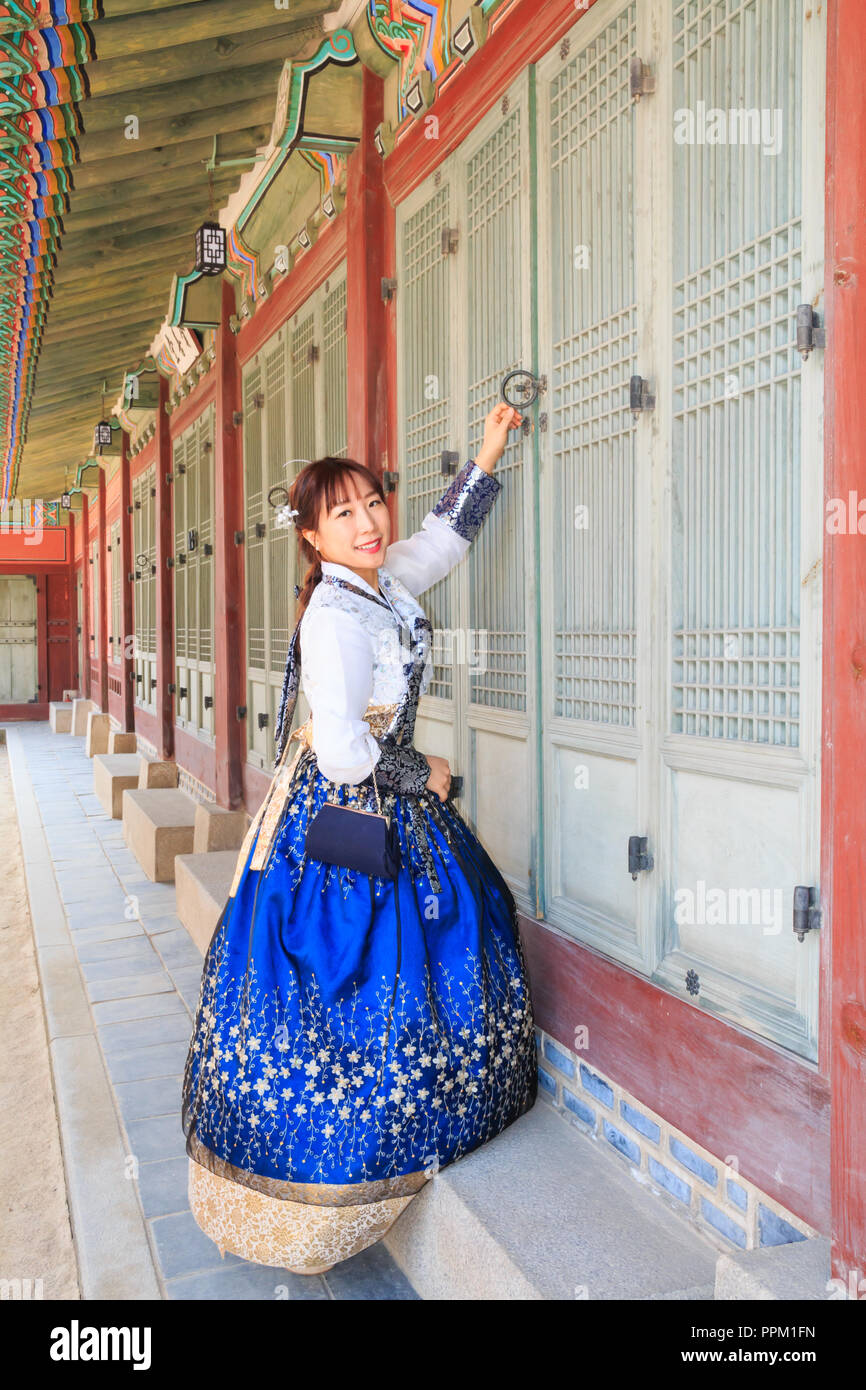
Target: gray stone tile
146,963
158,926
121,931
178,949
188,984
102,888
371,1274
183,1247
157,1137
163,1059
118,1038
249,1282
151,905
136,948
110,915
140,1006
125,986
162,1186
159,1095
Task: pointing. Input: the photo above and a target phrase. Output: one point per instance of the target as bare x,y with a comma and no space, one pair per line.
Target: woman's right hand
439,780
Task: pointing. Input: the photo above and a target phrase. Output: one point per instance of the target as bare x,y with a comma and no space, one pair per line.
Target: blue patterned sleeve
446,532
466,501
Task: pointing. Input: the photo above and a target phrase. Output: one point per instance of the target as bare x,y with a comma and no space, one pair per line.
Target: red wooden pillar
368,238
164,584
127,565
86,580
844,653
43,694
71,606
103,590
228,568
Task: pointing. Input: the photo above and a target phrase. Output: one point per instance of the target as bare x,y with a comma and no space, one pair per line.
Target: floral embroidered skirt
353,1034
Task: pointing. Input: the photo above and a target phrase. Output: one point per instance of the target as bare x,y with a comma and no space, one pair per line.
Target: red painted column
843,803
228,568
103,591
164,582
71,607
368,211
87,581
127,565
42,691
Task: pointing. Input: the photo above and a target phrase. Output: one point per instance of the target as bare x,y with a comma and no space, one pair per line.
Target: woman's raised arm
446,532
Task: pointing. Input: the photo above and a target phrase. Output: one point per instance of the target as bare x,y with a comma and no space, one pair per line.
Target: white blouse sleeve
446,532
337,662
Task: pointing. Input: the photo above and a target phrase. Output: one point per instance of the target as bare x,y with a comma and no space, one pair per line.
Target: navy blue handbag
352,838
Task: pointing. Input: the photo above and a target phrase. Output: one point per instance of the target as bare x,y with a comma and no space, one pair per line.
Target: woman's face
355,532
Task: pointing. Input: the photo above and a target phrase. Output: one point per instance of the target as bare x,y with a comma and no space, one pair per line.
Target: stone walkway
120,980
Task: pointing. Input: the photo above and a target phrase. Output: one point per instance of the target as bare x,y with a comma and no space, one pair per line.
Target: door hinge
450,240
641,79
807,914
640,395
810,332
639,859
449,461
390,480
389,289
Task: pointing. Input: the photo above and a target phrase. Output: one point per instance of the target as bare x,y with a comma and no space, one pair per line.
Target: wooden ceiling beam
176,129
137,167
204,59
153,103
149,35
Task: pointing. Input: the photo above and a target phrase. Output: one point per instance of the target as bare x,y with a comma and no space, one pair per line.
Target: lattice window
255,506
736,373
428,398
497,573
94,598
115,644
335,370
303,389
594,333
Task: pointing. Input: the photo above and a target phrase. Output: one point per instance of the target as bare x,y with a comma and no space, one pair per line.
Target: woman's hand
502,418
439,780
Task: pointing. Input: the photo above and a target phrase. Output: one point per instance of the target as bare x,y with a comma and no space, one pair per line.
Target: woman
354,1033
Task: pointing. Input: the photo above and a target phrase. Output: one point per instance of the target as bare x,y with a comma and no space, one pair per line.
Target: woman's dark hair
322,483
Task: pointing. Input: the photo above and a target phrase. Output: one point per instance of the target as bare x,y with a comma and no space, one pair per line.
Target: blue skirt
354,1035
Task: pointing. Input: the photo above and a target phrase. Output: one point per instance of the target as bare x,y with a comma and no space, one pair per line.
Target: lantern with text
210,249
102,436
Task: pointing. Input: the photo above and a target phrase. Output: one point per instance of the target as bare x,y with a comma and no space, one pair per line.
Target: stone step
202,883
80,710
797,1270
542,1212
158,824
60,717
113,773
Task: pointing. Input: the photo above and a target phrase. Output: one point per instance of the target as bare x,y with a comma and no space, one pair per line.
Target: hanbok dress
354,1034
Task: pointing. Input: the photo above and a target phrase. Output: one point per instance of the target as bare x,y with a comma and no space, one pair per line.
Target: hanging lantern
66,500
102,435
210,249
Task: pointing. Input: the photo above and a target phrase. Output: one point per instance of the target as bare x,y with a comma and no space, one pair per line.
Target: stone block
113,774
60,717
119,742
154,773
96,737
158,824
217,829
202,883
80,710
